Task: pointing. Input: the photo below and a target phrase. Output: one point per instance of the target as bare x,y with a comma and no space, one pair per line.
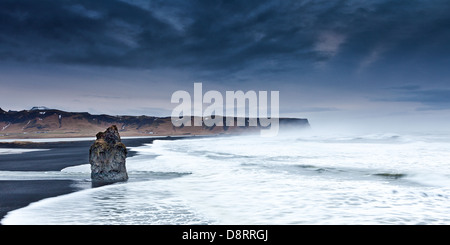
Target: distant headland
42,122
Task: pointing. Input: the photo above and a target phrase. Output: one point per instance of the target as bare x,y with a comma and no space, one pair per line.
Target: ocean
295,178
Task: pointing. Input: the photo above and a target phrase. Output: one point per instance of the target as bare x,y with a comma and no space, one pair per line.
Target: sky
369,64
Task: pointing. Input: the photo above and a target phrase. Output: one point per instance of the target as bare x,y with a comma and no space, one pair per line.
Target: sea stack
107,157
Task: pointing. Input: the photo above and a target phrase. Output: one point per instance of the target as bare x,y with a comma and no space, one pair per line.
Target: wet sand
16,194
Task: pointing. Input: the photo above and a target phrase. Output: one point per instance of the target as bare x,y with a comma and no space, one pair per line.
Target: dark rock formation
294,123
107,157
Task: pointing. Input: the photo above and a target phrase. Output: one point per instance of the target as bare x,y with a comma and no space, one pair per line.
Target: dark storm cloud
224,35
430,99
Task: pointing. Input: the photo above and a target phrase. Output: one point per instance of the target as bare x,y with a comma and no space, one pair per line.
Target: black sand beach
16,194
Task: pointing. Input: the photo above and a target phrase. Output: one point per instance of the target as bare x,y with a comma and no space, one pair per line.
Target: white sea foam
293,179
4,151
84,168
42,175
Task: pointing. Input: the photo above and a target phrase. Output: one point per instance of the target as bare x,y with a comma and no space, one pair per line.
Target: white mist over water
298,178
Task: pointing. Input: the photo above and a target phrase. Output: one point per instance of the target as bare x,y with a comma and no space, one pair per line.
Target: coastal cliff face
107,157
41,122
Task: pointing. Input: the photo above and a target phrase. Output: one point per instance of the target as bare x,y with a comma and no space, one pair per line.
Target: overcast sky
338,62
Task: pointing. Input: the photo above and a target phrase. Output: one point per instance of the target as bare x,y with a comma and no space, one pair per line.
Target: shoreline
15,194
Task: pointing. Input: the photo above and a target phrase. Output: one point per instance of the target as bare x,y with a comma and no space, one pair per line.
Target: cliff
50,123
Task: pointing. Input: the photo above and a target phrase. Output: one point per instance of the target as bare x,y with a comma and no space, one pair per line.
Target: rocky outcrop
107,157
294,123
